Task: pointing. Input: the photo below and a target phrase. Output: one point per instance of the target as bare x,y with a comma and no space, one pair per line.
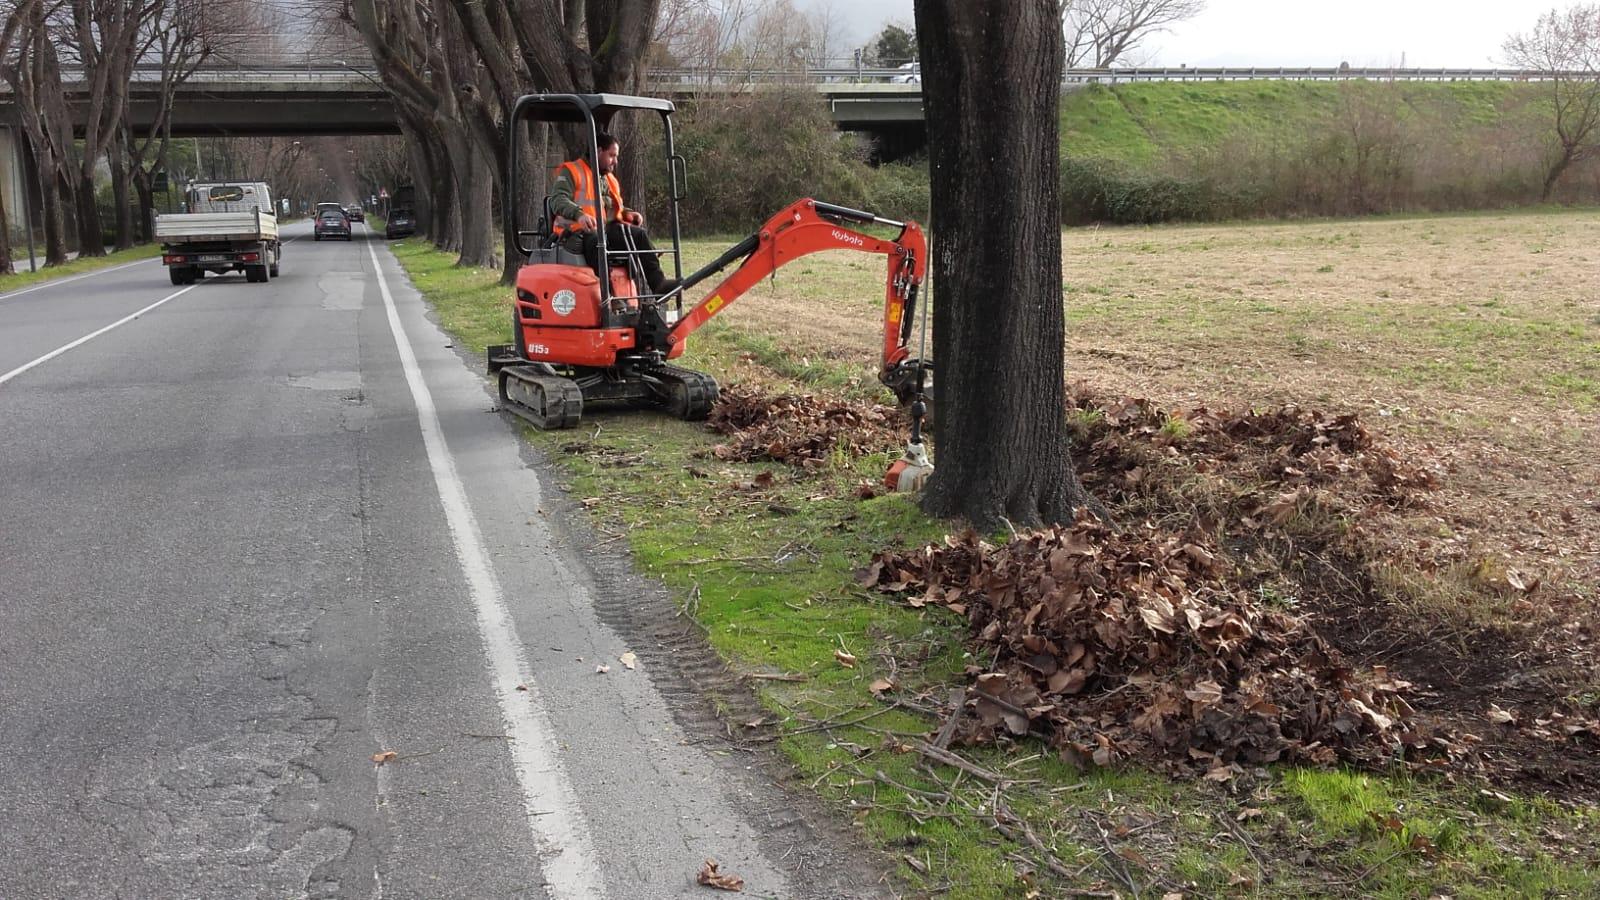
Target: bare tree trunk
991,85
91,231
116,155
5,234
1556,171
479,237
52,208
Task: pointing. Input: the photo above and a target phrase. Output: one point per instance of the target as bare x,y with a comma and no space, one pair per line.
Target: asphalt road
252,535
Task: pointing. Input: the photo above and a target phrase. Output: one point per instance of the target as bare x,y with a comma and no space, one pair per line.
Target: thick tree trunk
991,88
53,213
91,232
479,237
117,156
5,235
147,204
534,177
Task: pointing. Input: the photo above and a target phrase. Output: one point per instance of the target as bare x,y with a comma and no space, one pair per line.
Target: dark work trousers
618,237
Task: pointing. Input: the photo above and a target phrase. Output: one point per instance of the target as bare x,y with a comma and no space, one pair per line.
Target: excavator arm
810,226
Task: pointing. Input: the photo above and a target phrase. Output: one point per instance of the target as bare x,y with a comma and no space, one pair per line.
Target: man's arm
561,202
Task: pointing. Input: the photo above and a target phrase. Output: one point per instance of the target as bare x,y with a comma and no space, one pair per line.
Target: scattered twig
948,730
1027,836
1364,874
829,724
939,754
777,676
1244,838
1116,863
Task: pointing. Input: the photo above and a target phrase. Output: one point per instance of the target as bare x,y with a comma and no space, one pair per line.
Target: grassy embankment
23,278
1477,331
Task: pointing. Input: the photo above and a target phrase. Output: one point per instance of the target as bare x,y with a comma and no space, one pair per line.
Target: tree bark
121,196
1555,172
991,88
5,234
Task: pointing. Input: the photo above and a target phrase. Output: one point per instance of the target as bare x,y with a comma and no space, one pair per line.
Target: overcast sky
1427,33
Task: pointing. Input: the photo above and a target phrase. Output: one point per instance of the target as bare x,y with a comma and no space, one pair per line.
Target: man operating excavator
578,204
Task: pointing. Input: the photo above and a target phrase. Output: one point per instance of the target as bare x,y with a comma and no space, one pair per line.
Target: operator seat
552,248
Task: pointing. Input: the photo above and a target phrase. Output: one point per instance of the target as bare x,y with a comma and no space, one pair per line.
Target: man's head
609,150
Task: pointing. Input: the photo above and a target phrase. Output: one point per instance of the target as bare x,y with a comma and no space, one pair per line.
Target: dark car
357,214
331,224
401,222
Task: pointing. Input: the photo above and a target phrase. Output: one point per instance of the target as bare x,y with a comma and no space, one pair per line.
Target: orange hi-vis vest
583,193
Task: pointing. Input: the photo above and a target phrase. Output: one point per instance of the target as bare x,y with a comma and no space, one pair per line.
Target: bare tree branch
1565,47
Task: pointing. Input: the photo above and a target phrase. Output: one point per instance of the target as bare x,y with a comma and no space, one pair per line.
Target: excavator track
549,402
686,394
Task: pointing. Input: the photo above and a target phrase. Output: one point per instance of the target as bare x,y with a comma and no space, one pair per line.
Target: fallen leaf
629,659
1522,581
845,659
602,669
384,756
522,687
1500,716
881,685
590,502
710,877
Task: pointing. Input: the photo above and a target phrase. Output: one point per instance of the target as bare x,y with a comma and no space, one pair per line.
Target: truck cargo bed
220,226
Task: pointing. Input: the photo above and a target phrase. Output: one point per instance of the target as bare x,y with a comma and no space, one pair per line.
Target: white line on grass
71,278
89,337
551,805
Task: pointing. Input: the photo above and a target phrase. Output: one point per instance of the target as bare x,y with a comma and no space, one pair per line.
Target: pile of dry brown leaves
1133,643
1120,445
802,430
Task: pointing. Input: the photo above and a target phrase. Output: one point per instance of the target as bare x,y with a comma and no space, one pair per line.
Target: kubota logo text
844,238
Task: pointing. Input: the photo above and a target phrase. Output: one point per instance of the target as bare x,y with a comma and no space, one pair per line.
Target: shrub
751,154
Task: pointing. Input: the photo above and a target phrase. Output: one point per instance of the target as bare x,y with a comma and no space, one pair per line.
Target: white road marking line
89,337
71,278
551,806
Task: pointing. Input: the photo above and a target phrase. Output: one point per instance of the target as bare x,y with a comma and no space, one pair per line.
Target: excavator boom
810,226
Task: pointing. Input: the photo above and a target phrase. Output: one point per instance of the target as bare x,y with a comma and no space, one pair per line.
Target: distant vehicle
910,73
325,206
331,223
229,227
401,222
356,213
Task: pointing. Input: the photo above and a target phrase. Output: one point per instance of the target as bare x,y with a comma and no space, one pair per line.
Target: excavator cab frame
591,113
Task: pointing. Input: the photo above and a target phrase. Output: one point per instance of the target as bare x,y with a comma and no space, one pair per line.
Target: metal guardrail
322,70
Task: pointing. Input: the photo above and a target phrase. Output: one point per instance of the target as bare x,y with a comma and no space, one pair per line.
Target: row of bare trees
102,44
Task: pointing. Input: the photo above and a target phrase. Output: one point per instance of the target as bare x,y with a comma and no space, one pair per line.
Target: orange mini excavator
582,338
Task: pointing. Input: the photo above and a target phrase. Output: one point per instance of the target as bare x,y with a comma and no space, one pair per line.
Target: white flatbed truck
229,227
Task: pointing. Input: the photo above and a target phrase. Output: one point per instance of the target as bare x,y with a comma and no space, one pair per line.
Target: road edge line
549,801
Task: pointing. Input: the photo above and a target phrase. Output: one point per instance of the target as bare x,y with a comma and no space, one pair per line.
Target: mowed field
1472,339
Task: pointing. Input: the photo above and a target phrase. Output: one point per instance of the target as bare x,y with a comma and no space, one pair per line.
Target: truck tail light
249,257
169,260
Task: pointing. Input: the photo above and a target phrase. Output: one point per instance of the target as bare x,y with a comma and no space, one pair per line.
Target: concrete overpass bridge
344,99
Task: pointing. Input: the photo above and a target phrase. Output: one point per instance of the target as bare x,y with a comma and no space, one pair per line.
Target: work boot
664,286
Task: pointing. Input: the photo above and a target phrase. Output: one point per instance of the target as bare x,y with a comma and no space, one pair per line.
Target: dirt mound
1136,644
803,430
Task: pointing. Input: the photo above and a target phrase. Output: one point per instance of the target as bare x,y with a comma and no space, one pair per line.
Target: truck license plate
212,258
